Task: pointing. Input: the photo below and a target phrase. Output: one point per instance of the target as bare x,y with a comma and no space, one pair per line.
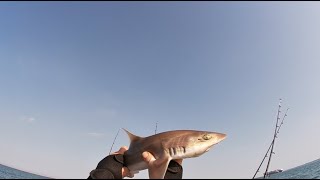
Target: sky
73,73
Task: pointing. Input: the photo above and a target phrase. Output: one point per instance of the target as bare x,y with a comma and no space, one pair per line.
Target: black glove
111,168
108,168
174,171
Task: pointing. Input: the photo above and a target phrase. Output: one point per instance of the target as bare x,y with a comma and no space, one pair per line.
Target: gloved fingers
126,173
148,157
151,160
121,150
178,161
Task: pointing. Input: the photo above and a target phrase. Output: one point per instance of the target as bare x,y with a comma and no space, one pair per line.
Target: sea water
11,173
310,170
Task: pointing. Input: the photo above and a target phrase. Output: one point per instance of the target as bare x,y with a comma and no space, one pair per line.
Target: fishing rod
272,143
285,115
114,141
265,156
155,131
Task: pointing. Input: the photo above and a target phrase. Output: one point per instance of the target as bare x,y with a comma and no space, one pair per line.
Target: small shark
167,146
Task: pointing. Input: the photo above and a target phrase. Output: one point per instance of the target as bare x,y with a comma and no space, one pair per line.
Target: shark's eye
207,136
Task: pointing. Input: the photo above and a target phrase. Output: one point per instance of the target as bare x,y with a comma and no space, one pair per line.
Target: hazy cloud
29,119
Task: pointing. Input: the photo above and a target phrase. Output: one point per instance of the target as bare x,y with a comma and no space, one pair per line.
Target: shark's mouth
209,148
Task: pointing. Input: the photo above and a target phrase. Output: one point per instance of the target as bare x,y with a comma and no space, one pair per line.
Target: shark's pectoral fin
159,168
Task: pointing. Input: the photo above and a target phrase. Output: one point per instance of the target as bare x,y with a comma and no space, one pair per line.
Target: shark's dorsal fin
132,137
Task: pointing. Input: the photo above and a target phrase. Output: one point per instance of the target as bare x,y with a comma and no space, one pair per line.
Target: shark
167,146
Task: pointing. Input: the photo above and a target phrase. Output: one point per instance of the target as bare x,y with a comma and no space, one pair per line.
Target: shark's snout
220,137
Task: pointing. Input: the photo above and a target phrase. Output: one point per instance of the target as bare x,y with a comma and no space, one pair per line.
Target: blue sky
73,73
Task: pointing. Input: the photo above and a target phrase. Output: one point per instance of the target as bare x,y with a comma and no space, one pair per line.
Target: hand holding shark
151,162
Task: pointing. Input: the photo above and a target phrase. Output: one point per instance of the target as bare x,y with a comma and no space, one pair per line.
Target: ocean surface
310,170
11,173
